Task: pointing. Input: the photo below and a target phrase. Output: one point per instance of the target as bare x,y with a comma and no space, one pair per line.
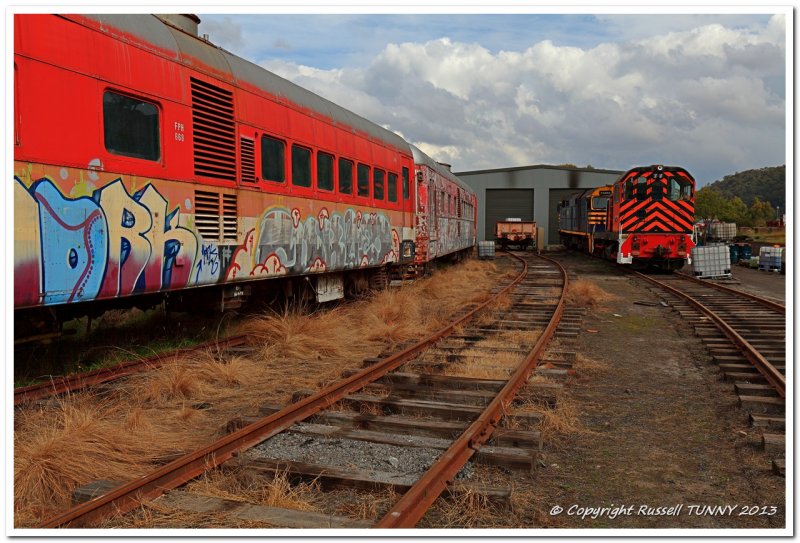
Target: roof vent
185,21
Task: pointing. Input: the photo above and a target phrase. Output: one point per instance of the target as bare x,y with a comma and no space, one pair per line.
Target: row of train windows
131,128
456,206
273,168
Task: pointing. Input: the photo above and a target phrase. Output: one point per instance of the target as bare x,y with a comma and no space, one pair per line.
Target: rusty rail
70,383
128,496
418,499
722,288
764,367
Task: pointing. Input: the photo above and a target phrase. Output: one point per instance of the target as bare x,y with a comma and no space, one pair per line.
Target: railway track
414,398
71,383
746,336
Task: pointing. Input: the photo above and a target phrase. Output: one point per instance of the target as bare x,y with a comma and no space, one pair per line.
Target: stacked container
486,250
769,259
711,261
723,231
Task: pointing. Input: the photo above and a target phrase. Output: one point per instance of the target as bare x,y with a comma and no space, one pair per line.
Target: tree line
745,198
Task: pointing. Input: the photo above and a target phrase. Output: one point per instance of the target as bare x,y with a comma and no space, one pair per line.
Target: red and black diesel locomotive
149,163
645,218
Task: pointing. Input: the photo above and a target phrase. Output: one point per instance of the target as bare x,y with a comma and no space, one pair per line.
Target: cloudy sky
706,92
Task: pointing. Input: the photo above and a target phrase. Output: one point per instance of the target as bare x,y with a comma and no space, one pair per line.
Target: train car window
131,127
363,180
391,187
301,166
405,183
378,177
345,176
324,171
17,112
273,162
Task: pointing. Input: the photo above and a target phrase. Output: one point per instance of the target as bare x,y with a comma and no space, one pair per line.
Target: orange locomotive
649,213
151,164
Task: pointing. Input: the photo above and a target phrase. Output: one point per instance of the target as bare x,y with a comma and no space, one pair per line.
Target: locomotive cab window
272,159
363,180
301,166
131,127
324,171
345,176
641,188
679,189
629,184
599,202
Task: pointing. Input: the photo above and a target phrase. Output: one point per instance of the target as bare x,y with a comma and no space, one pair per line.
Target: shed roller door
504,203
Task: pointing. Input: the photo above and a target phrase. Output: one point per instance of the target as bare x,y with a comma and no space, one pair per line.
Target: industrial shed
530,193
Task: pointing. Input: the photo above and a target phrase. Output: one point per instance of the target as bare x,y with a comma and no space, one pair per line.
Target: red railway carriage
445,210
649,218
149,162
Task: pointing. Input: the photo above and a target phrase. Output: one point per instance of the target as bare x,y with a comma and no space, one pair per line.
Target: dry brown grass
485,365
584,293
559,421
238,486
467,508
155,515
75,442
360,505
148,418
585,365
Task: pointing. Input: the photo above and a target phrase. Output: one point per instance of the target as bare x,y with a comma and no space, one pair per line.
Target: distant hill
768,184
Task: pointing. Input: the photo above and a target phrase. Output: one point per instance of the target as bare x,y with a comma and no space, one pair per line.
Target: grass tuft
584,293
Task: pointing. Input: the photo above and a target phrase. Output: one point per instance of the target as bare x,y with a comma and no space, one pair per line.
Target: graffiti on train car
110,242
284,242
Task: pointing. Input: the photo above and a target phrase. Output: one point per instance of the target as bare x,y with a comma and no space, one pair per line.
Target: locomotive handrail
416,501
179,471
764,367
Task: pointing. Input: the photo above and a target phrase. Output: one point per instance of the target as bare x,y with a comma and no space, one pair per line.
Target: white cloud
698,97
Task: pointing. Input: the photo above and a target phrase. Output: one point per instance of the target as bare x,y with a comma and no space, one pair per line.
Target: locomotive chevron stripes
664,206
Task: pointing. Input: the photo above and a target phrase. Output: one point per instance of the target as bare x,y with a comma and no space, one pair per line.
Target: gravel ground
761,283
350,453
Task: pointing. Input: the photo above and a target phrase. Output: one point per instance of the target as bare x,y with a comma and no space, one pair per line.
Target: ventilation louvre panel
206,214
214,131
248,160
215,217
229,219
